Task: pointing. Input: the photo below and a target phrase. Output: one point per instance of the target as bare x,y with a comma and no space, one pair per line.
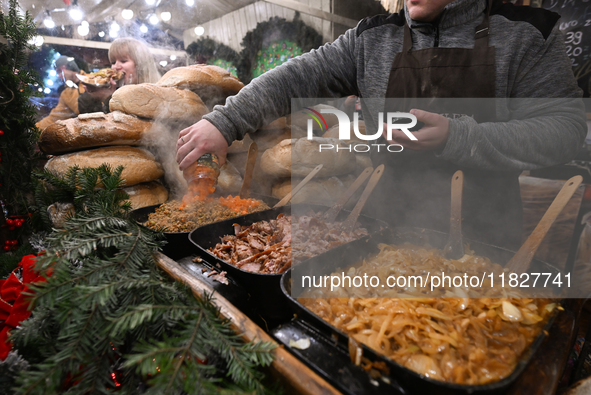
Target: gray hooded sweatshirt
531,62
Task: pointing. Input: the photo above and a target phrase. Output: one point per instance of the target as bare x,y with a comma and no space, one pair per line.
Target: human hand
431,137
198,139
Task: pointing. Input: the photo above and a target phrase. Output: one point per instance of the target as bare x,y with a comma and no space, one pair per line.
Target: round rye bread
146,194
93,130
158,102
211,83
298,157
139,164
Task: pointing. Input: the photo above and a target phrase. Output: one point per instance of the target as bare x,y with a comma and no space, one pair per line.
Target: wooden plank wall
231,28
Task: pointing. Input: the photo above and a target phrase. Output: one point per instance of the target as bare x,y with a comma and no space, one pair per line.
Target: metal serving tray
264,287
410,381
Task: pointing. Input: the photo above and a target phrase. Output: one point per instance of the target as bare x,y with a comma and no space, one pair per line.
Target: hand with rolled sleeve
199,139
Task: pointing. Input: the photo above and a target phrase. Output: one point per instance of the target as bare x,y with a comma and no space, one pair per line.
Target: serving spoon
332,212
349,223
454,249
295,190
250,162
523,257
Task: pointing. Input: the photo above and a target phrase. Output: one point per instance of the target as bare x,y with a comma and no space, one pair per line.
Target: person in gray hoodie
434,49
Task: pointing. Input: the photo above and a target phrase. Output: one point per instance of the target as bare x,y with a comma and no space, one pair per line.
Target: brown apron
415,189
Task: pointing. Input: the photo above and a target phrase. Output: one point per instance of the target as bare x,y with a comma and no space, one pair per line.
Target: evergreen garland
266,33
18,136
108,319
206,48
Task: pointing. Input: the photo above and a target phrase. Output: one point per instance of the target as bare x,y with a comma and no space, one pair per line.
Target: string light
143,28
165,16
199,30
153,19
127,14
190,3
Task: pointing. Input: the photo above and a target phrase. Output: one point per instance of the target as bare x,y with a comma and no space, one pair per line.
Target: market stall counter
323,367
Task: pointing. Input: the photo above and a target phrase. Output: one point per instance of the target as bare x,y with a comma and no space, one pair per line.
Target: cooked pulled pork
266,246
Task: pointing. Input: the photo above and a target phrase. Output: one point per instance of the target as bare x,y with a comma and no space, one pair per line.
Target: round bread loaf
333,132
139,164
298,157
158,102
229,180
300,118
146,194
325,191
93,130
212,83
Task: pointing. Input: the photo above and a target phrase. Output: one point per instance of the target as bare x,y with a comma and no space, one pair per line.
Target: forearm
326,72
541,141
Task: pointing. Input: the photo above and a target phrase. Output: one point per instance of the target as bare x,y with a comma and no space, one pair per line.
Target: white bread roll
300,118
212,83
140,165
298,157
158,102
93,130
146,194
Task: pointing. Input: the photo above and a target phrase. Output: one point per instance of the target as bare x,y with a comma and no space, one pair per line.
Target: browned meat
266,246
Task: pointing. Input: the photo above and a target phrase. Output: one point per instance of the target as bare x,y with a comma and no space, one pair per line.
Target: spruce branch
107,309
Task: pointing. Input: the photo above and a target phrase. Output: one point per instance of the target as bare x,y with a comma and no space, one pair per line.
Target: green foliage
108,310
79,187
205,48
268,32
17,115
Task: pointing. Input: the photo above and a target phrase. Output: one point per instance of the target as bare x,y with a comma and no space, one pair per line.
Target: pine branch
107,308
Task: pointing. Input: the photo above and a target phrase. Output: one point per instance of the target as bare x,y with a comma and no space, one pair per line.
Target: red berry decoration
18,223
1,132
11,227
9,222
6,248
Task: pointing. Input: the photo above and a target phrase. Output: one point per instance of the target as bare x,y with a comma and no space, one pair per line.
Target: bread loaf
299,157
146,194
93,130
139,164
230,180
333,132
325,191
212,83
154,101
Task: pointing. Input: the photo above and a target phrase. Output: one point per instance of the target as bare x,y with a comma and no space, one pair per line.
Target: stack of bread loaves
286,156
139,133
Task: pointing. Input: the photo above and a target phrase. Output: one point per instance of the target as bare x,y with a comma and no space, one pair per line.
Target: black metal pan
264,287
352,253
177,243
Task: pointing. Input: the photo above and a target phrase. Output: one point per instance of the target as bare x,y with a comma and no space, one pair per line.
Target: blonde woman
134,59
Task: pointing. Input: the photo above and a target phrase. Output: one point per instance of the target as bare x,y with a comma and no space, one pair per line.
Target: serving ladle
334,211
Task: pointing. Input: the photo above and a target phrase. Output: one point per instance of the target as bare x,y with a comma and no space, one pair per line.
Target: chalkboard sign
575,23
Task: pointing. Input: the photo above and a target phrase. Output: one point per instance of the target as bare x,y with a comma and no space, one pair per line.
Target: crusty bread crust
93,130
298,157
146,194
158,102
139,164
198,77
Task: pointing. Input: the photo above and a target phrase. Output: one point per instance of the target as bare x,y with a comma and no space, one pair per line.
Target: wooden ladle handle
521,260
